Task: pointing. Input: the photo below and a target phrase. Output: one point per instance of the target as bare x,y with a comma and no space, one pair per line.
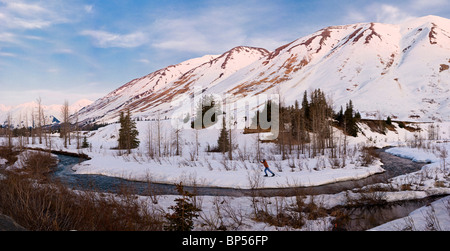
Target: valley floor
204,168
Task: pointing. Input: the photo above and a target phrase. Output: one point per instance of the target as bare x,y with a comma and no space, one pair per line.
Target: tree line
40,128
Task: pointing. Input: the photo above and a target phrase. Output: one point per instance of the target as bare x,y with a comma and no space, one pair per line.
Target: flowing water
393,165
361,218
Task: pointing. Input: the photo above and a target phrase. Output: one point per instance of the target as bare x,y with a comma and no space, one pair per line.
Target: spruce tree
350,120
128,133
223,141
85,143
306,110
184,212
388,121
124,128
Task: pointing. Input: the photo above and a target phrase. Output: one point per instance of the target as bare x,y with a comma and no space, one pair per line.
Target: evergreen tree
128,133
85,143
339,117
223,141
388,121
183,213
350,120
306,111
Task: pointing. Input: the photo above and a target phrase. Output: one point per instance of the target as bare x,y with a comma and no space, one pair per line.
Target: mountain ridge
397,70
21,115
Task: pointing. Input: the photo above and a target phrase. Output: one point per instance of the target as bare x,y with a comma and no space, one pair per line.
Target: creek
393,165
361,218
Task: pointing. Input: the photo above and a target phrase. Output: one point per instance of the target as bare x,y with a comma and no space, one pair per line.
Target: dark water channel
361,217
393,165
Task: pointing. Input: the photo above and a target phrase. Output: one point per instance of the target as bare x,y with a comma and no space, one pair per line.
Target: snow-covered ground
215,169
244,171
433,217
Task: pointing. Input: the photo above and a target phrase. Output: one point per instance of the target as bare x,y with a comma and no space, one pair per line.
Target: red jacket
264,162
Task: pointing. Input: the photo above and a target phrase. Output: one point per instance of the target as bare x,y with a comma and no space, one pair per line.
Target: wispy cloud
7,37
56,44
144,61
104,39
427,4
393,12
387,13
25,15
217,28
27,9
7,54
89,8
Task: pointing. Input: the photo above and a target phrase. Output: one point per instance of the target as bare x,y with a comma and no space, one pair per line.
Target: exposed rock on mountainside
385,69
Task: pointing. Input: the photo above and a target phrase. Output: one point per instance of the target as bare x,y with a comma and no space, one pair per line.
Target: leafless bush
9,154
368,156
243,166
335,163
278,166
431,220
57,208
243,154
39,163
210,168
151,191
372,195
224,215
193,155
236,214
227,164
274,213
255,181
447,206
213,220
409,224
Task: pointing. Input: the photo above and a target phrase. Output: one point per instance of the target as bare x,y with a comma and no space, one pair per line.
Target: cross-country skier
264,162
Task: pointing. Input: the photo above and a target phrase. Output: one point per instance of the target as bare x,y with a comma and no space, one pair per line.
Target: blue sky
75,49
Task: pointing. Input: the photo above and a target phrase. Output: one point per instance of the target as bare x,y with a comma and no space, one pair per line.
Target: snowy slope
394,69
397,70
138,89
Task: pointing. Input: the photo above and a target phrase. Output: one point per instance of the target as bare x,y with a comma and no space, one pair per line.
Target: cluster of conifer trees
311,121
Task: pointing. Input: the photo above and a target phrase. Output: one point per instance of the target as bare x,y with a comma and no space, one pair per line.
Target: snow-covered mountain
21,115
397,70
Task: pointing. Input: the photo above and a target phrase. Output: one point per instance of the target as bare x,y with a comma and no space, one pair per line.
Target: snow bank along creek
393,165
362,217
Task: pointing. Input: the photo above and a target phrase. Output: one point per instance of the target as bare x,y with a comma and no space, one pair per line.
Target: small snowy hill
397,70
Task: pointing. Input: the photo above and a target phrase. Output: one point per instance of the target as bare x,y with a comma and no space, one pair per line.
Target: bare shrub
9,154
431,220
335,163
372,195
236,215
57,208
447,206
368,156
39,163
314,210
214,220
409,224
